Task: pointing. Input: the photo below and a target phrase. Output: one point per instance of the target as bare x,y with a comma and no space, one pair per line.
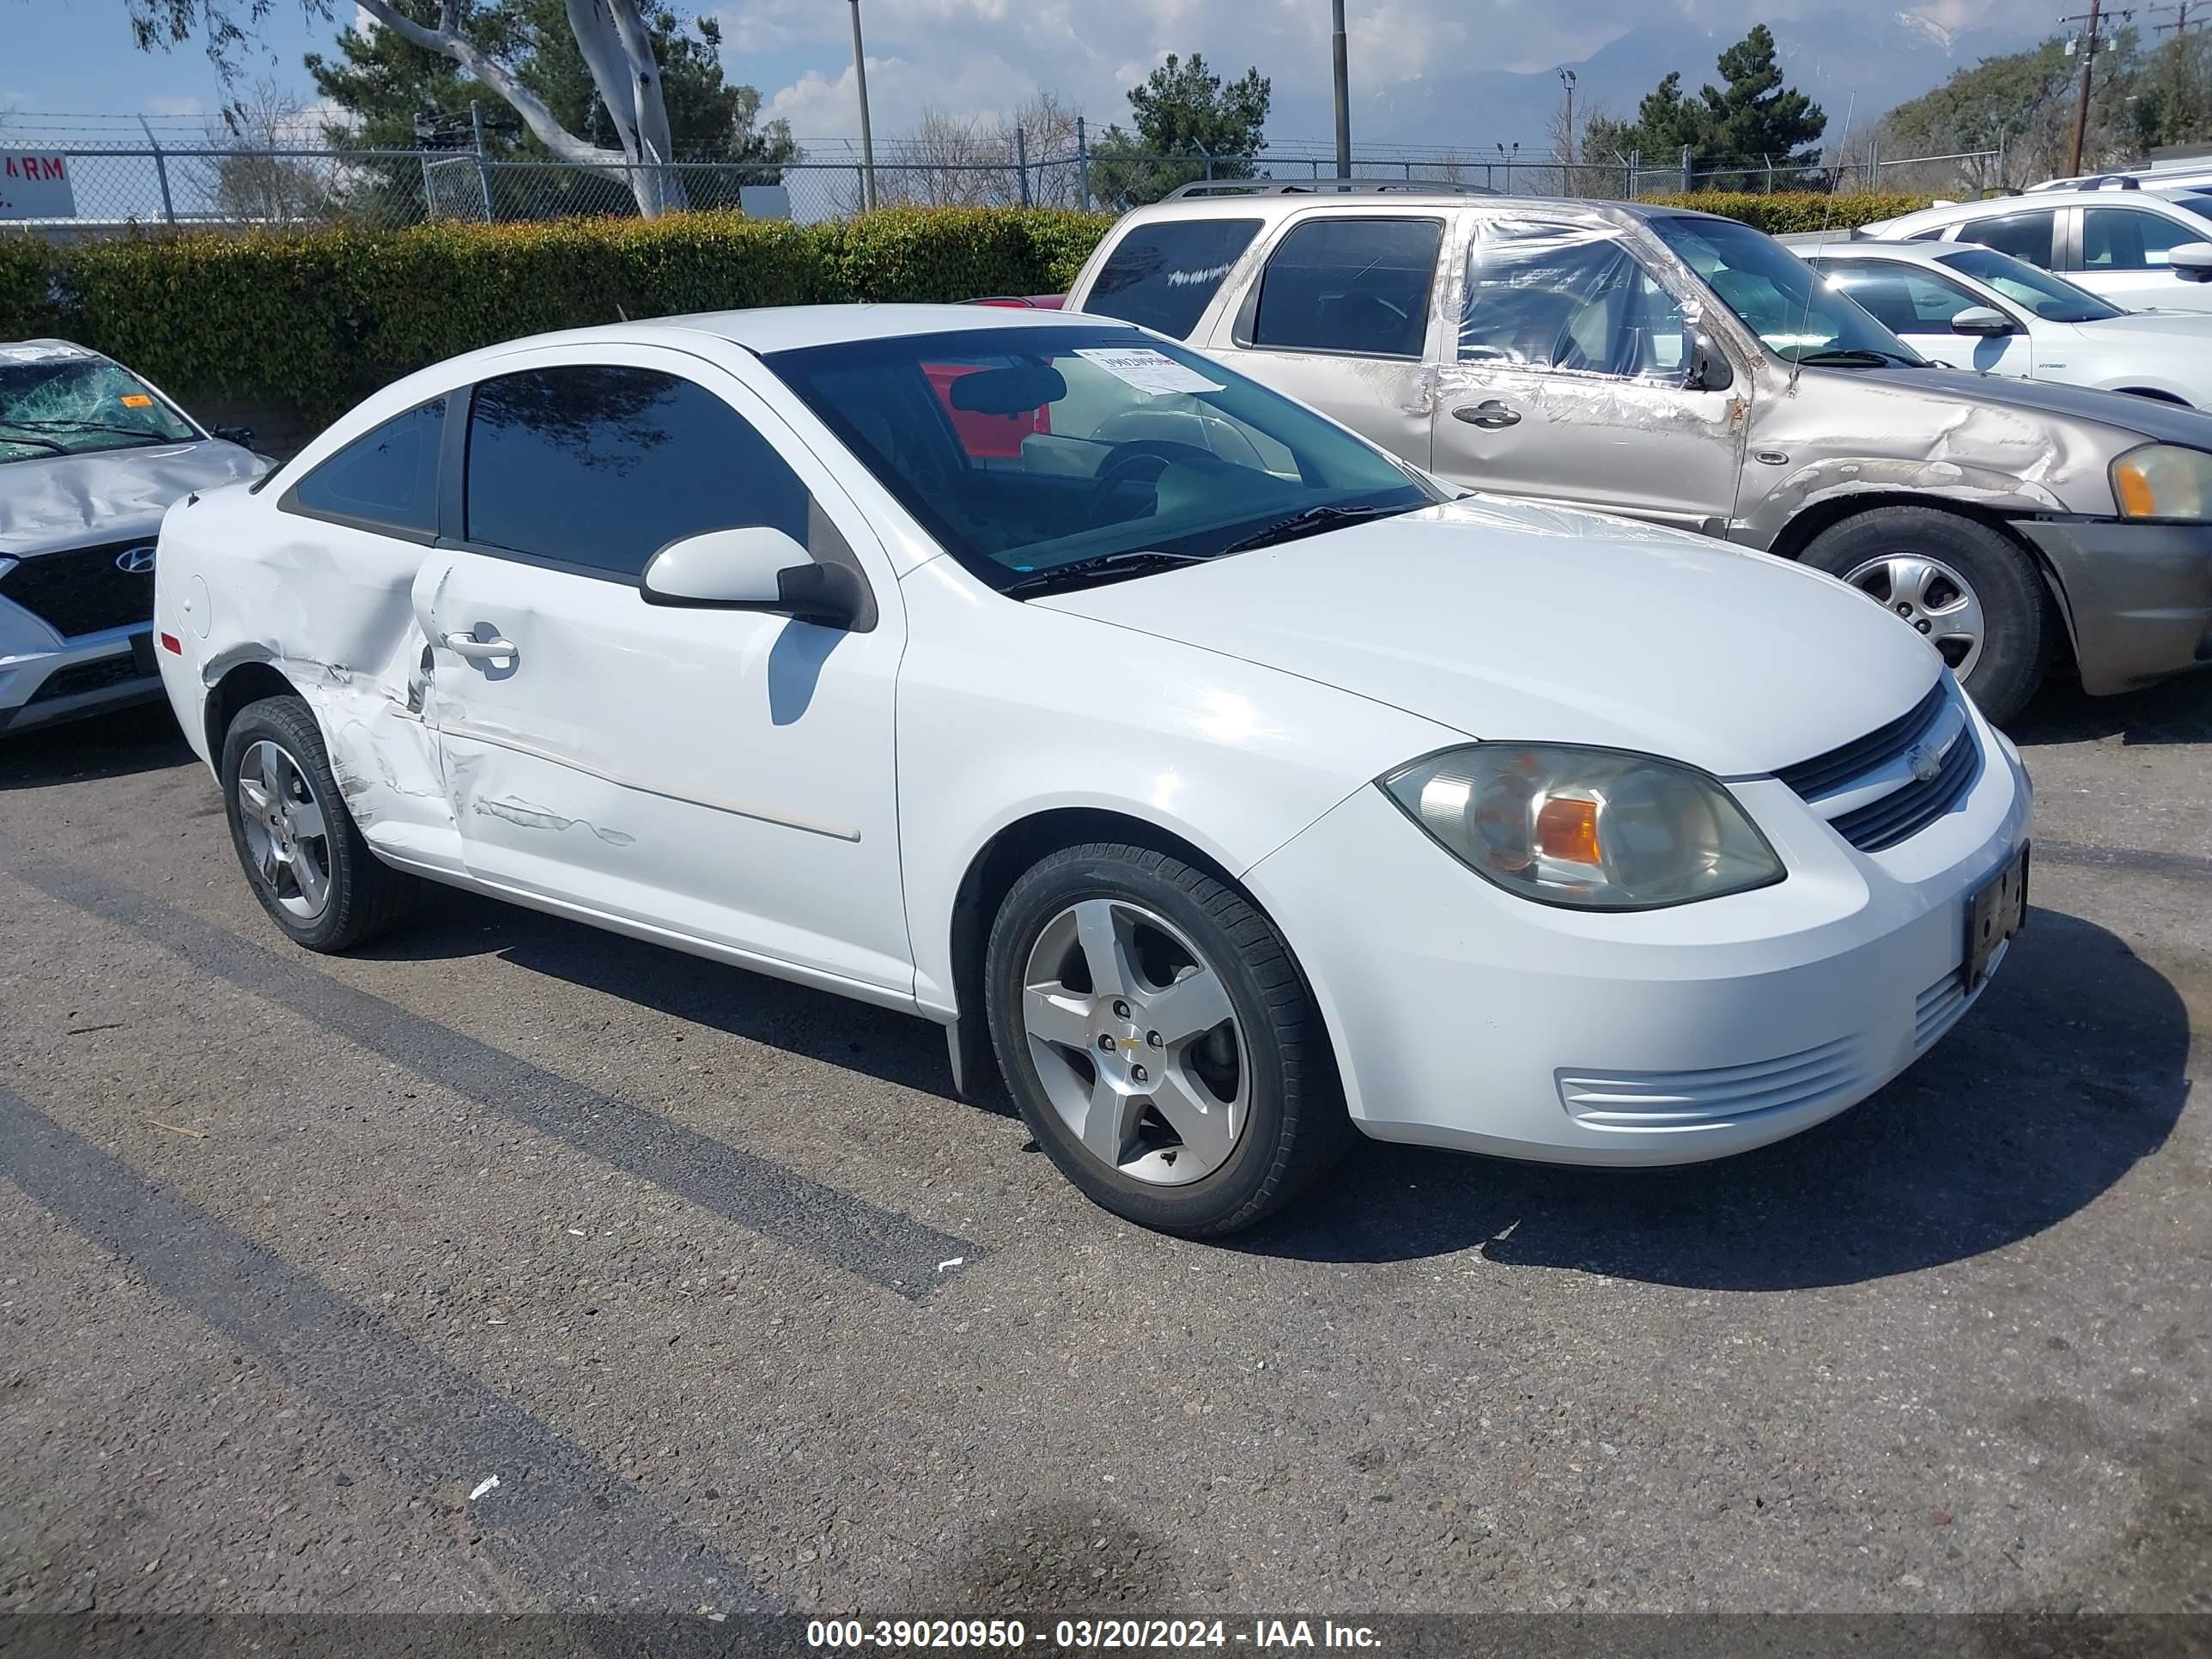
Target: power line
2182,20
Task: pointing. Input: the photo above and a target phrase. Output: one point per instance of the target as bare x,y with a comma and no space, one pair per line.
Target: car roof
1903,253
46,351
786,328
1591,209
2041,201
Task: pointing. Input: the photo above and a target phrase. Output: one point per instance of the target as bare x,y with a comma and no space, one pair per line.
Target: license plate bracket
1995,912
142,655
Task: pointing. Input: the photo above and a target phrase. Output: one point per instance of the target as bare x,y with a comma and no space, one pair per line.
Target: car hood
2150,328
1541,624
64,501
2146,417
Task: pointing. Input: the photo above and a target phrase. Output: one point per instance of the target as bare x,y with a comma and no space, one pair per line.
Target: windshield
55,405
1799,316
1030,452
2053,299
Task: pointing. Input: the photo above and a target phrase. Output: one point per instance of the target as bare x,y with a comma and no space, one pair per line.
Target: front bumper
1464,1017
2140,596
90,674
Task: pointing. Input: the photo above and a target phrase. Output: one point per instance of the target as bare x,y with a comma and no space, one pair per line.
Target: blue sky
964,56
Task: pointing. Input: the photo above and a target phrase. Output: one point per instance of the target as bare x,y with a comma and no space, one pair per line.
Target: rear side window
2024,235
385,480
1357,285
596,468
1163,276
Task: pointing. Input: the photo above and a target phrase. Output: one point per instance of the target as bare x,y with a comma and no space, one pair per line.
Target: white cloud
173,106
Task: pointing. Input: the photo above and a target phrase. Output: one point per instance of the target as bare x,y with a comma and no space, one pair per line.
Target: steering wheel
1162,452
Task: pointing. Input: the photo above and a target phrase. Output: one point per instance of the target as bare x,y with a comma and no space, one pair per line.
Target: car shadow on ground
143,738
2069,1069
893,1048
2178,712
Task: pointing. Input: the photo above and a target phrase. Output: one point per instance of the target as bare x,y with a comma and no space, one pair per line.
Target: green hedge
312,321
1786,211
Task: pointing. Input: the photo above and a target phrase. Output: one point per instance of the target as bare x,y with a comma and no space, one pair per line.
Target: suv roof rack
1322,187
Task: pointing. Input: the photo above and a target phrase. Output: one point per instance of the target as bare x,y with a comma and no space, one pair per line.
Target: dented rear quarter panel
331,609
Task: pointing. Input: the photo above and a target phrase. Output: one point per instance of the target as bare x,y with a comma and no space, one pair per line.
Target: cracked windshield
57,405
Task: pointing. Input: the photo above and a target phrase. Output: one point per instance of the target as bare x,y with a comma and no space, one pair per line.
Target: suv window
1903,299
1163,276
2024,235
597,468
1554,297
2130,238
386,479
1342,284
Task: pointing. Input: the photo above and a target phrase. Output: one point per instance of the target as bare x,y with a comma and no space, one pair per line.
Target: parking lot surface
298,1255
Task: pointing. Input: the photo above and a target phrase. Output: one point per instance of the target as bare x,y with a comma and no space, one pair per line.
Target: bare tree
1048,141
257,181
617,49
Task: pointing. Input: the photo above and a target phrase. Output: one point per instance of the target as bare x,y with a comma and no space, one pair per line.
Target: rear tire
1970,589
303,854
1186,1084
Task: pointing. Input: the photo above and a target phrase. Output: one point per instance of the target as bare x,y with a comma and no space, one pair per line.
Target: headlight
2163,481
1592,828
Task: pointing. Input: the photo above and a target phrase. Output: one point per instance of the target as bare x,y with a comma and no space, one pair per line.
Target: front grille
1725,1094
82,677
82,592
1914,803
1905,811
1824,774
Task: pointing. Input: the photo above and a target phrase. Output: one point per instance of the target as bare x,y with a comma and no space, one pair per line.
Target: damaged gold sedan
1689,370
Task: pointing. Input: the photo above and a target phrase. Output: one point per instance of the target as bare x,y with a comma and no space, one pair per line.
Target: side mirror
755,569
2191,261
1708,370
1987,321
241,435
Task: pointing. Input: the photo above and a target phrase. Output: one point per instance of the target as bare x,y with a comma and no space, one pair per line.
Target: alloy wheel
287,839
1136,1042
1933,597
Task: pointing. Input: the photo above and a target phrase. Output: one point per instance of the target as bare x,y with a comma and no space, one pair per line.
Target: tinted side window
1163,276
2128,238
1350,285
385,479
600,467
1901,299
1556,297
2024,235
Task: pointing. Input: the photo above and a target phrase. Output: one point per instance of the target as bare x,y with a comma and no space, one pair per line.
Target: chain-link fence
117,187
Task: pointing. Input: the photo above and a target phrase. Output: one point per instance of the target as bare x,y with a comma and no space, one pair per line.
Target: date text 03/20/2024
1089,1633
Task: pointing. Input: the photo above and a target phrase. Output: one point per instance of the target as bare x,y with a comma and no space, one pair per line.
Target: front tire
1977,598
303,855
1159,1041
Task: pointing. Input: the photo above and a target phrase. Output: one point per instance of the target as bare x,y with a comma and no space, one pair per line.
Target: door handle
476,650
1489,413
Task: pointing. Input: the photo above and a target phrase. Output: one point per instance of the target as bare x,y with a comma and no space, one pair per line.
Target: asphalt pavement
300,1256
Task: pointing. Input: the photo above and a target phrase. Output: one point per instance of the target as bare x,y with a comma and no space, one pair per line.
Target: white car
2141,249
1973,307
1186,756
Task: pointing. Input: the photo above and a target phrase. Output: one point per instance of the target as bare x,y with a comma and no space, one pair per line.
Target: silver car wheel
287,840
1933,597
1136,1042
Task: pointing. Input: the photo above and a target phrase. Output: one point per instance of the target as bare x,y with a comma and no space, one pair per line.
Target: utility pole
1343,90
1567,80
867,142
2087,47
2180,9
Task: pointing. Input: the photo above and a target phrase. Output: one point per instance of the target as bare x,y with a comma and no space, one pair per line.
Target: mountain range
1855,65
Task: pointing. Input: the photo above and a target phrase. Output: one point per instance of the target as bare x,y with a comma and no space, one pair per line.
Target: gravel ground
297,1254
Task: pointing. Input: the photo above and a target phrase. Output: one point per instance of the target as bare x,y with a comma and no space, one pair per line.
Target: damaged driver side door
1571,380
702,775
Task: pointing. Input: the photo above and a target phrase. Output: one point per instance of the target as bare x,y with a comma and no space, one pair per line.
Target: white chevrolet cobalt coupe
1225,782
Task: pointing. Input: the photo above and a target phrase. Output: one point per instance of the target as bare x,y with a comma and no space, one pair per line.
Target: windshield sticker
136,400
1153,373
